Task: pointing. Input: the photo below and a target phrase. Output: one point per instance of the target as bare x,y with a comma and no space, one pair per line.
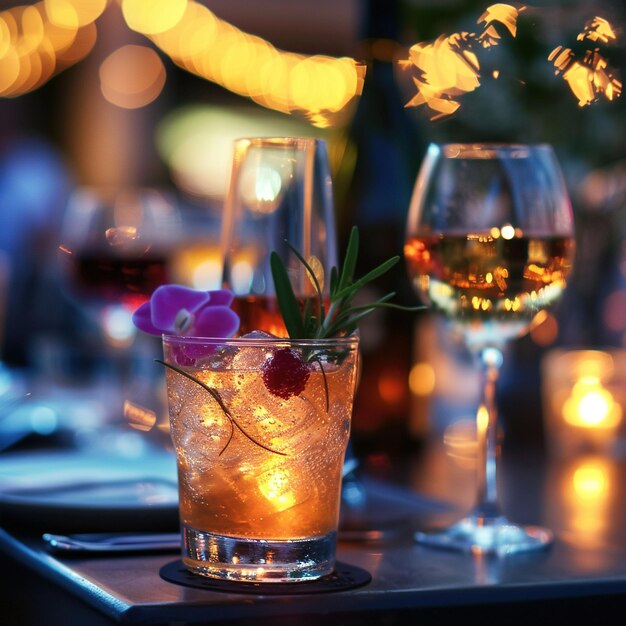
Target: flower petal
216,321
221,297
168,300
142,319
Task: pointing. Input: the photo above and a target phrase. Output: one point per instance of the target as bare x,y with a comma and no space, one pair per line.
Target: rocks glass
260,427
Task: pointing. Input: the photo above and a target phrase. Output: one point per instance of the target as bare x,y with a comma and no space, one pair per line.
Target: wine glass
281,195
114,251
489,244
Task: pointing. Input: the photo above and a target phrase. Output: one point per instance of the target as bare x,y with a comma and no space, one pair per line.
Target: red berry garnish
285,373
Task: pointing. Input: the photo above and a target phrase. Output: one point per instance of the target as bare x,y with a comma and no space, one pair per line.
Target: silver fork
108,542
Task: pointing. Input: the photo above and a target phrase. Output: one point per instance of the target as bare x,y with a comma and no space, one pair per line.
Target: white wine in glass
489,244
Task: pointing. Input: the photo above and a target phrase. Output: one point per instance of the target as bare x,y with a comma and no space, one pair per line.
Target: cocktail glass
260,427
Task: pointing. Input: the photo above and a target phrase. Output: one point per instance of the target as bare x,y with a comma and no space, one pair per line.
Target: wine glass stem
487,507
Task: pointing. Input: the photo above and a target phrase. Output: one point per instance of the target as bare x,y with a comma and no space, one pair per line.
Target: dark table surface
582,575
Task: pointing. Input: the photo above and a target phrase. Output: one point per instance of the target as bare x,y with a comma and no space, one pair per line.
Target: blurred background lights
587,490
391,386
444,70
118,325
590,481
44,420
318,87
544,330
590,405
198,264
39,40
73,14
507,231
196,142
422,379
151,17
132,76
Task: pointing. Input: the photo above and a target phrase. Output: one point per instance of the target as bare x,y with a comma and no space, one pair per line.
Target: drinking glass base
487,536
258,560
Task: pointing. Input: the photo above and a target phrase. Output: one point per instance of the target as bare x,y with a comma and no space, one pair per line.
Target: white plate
73,492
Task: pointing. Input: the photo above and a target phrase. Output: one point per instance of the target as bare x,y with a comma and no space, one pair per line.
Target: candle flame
590,481
590,405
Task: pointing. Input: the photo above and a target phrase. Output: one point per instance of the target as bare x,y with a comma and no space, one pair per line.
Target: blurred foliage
528,102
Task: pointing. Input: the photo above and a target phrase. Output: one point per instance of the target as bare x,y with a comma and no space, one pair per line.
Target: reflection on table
579,498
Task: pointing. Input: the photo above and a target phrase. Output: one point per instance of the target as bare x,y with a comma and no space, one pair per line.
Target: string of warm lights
38,41
319,87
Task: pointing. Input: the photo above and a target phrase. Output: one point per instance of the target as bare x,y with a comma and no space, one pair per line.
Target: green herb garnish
342,316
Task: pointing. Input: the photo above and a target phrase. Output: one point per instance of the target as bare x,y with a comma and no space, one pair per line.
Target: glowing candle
584,400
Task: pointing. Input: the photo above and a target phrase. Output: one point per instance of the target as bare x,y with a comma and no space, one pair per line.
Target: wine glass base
487,536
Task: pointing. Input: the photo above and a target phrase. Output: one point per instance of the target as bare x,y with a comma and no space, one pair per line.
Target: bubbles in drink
251,462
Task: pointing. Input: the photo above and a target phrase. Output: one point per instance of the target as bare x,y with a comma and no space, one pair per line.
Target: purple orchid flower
179,310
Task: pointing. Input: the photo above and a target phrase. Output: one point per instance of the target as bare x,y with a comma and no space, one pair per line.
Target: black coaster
344,577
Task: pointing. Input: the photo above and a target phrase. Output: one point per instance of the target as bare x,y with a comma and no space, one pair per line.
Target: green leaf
316,284
341,317
287,301
370,276
353,313
334,280
310,321
349,263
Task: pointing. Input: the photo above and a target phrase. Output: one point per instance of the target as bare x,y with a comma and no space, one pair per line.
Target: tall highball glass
280,195
489,245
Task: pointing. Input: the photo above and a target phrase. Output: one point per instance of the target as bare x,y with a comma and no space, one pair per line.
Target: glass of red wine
115,250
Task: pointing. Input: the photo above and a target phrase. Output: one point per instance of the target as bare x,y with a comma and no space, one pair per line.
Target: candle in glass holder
583,398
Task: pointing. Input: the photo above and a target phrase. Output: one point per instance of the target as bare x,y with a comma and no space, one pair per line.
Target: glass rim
485,150
264,342
273,141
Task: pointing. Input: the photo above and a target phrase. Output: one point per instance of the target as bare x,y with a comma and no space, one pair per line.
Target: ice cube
220,358
258,334
254,356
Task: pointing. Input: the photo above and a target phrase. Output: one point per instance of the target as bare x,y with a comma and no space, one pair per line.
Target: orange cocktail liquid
262,313
288,486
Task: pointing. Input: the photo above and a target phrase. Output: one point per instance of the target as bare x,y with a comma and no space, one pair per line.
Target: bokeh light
39,40
151,17
132,76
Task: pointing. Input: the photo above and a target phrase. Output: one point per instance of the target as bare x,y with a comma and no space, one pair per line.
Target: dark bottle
388,152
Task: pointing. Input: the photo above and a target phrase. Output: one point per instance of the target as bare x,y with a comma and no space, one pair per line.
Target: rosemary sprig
233,422
342,316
